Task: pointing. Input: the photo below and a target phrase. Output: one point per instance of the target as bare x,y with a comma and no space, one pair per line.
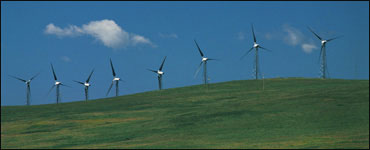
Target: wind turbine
204,62
57,84
322,56
160,73
86,84
115,79
28,82
255,46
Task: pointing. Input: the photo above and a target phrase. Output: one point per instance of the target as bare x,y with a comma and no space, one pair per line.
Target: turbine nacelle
323,42
204,59
255,45
160,72
87,84
115,79
57,83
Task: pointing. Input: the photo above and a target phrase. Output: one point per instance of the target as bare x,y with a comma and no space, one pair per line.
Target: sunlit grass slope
288,113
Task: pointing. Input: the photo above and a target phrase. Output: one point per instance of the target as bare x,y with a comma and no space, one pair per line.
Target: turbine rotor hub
115,79
87,84
57,83
255,45
204,59
323,42
160,72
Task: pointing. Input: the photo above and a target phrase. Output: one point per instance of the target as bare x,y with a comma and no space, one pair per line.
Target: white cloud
105,31
295,37
308,47
108,32
171,35
137,39
65,58
70,31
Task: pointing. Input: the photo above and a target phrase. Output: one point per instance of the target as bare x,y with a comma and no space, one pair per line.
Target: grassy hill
288,113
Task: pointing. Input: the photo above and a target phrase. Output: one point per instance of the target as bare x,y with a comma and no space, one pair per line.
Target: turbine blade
65,85
113,72
200,66
315,34
254,36
334,38
18,78
200,51
265,48
152,70
160,68
52,68
88,79
35,76
213,59
110,87
79,82
51,89
246,53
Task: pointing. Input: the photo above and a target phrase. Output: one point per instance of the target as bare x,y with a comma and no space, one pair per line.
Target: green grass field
288,113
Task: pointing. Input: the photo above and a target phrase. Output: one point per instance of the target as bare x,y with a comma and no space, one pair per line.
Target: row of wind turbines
160,73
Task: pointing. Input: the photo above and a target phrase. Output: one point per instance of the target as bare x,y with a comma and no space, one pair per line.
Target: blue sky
79,36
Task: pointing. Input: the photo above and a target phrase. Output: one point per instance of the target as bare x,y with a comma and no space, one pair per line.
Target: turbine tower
115,80
28,90
86,84
256,47
204,62
322,56
160,73
57,84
